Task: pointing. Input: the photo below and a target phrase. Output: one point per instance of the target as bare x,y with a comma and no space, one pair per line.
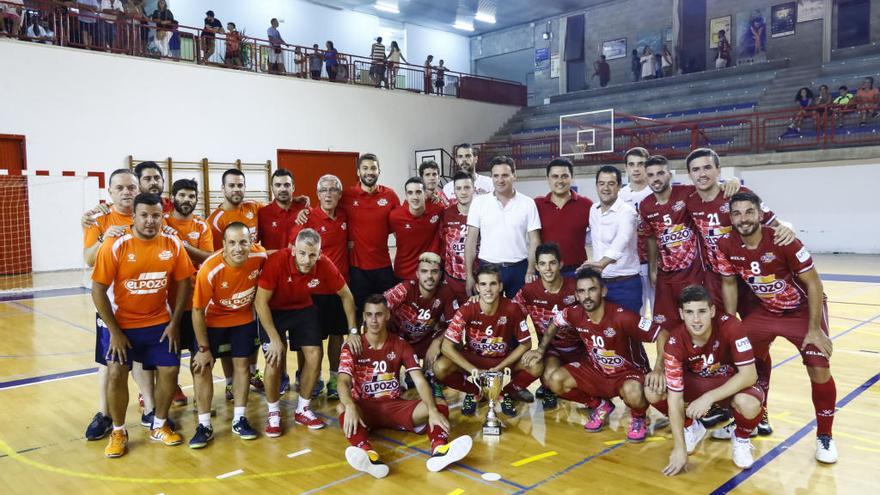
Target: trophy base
492,431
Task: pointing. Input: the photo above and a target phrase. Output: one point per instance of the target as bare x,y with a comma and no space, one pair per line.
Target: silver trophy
491,383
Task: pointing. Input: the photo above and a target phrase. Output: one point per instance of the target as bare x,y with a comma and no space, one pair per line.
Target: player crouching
369,397
708,360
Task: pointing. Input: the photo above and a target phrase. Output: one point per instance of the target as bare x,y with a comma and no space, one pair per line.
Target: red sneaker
273,424
180,398
308,418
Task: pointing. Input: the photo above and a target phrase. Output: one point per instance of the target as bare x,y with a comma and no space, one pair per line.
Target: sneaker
523,395
308,418
117,444
284,386
100,426
508,406
332,392
549,400
453,451
468,405
826,450
638,430
318,388
742,452
147,420
257,380
273,424
693,435
229,396
243,429
726,432
437,389
166,435
599,416
541,392
714,416
204,434
180,399
366,461
764,427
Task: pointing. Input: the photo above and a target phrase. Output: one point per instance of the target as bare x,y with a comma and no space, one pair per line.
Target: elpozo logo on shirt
313,283
382,202
147,283
165,255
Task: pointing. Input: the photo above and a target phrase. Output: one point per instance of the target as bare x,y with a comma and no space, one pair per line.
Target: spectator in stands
394,58
107,22
440,82
331,60
10,17
164,27
377,68
636,65
867,99
666,63
648,63
804,99
39,31
841,104
276,52
316,62
209,34
722,59
299,62
603,70
658,65
134,11
428,74
822,103
88,20
174,42
233,46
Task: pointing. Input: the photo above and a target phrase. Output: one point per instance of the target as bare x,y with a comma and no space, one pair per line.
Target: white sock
205,420
117,428
229,381
238,413
273,407
158,422
302,404
333,374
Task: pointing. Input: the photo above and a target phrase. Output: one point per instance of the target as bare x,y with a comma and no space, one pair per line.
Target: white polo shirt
614,235
482,185
504,229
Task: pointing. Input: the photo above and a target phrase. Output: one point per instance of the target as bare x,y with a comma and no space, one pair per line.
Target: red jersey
414,235
368,220
274,223
566,226
613,343
293,289
542,306
673,229
727,349
453,233
489,335
334,236
769,270
374,373
416,318
712,219
246,212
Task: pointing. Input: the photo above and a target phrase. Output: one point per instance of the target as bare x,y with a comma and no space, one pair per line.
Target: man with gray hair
286,310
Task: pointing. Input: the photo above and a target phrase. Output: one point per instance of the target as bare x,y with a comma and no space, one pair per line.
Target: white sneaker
726,432
456,450
826,450
742,452
359,459
693,434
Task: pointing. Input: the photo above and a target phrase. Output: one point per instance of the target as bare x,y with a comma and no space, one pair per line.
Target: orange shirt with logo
225,292
112,219
197,234
139,273
246,213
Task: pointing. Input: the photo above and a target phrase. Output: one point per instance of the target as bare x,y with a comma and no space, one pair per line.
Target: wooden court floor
47,395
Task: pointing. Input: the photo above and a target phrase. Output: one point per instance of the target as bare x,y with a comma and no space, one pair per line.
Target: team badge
678,206
165,255
768,257
659,319
274,223
254,274
194,235
355,203
435,218
568,300
725,208
391,355
382,202
609,332
131,257
344,226
671,340
313,283
249,215
323,229
502,320
406,226
224,285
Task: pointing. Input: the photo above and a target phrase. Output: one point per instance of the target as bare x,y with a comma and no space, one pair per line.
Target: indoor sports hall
778,98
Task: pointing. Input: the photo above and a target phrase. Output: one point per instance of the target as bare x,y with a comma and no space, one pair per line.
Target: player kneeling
708,360
369,397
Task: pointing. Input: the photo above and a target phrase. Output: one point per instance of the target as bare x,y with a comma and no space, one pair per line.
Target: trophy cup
491,383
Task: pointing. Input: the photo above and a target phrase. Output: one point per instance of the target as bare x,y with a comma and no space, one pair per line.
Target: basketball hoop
579,151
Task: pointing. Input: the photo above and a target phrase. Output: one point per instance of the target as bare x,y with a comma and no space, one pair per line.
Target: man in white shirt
613,227
466,159
507,227
632,194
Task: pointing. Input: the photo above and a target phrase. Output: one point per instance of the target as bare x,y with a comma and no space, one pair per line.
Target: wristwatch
353,331
204,348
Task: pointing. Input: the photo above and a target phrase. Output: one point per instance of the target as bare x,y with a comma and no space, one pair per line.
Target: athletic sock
359,438
229,380
158,422
638,412
273,406
237,413
205,419
457,381
824,402
662,406
745,426
577,395
118,428
302,404
437,435
764,365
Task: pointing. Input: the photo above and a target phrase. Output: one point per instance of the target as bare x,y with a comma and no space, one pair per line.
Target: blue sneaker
284,387
147,420
203,435
318,388
243,429
99,427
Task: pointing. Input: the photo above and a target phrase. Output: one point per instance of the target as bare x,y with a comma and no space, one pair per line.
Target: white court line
216,380
353,476
230,474
299,453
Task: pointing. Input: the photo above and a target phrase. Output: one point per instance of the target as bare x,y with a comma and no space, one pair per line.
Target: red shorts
695,386
669,287
482,362
393,414
746,299
763,327
458,288
597,384
569,355
421,347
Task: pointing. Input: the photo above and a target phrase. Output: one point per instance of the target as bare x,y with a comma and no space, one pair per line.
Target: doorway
308,166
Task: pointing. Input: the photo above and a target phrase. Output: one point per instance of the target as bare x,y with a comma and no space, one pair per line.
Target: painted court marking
457,491
528,460
230,474
298,453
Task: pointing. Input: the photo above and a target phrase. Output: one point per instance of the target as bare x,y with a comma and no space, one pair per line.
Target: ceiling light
384,7
464,26
484,17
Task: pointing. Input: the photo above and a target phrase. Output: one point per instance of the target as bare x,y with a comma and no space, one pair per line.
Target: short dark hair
488,269
376,299
414,180
140,167
694,293
560,162
273,20
236,225
842,87
149,199
467,146
119,171
282,172
188,184
590,274
548,248
745,196
368,156
700,153
461,175
637,151
503,160
231,171
426,165
209,13
609,169
230,23
656,160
